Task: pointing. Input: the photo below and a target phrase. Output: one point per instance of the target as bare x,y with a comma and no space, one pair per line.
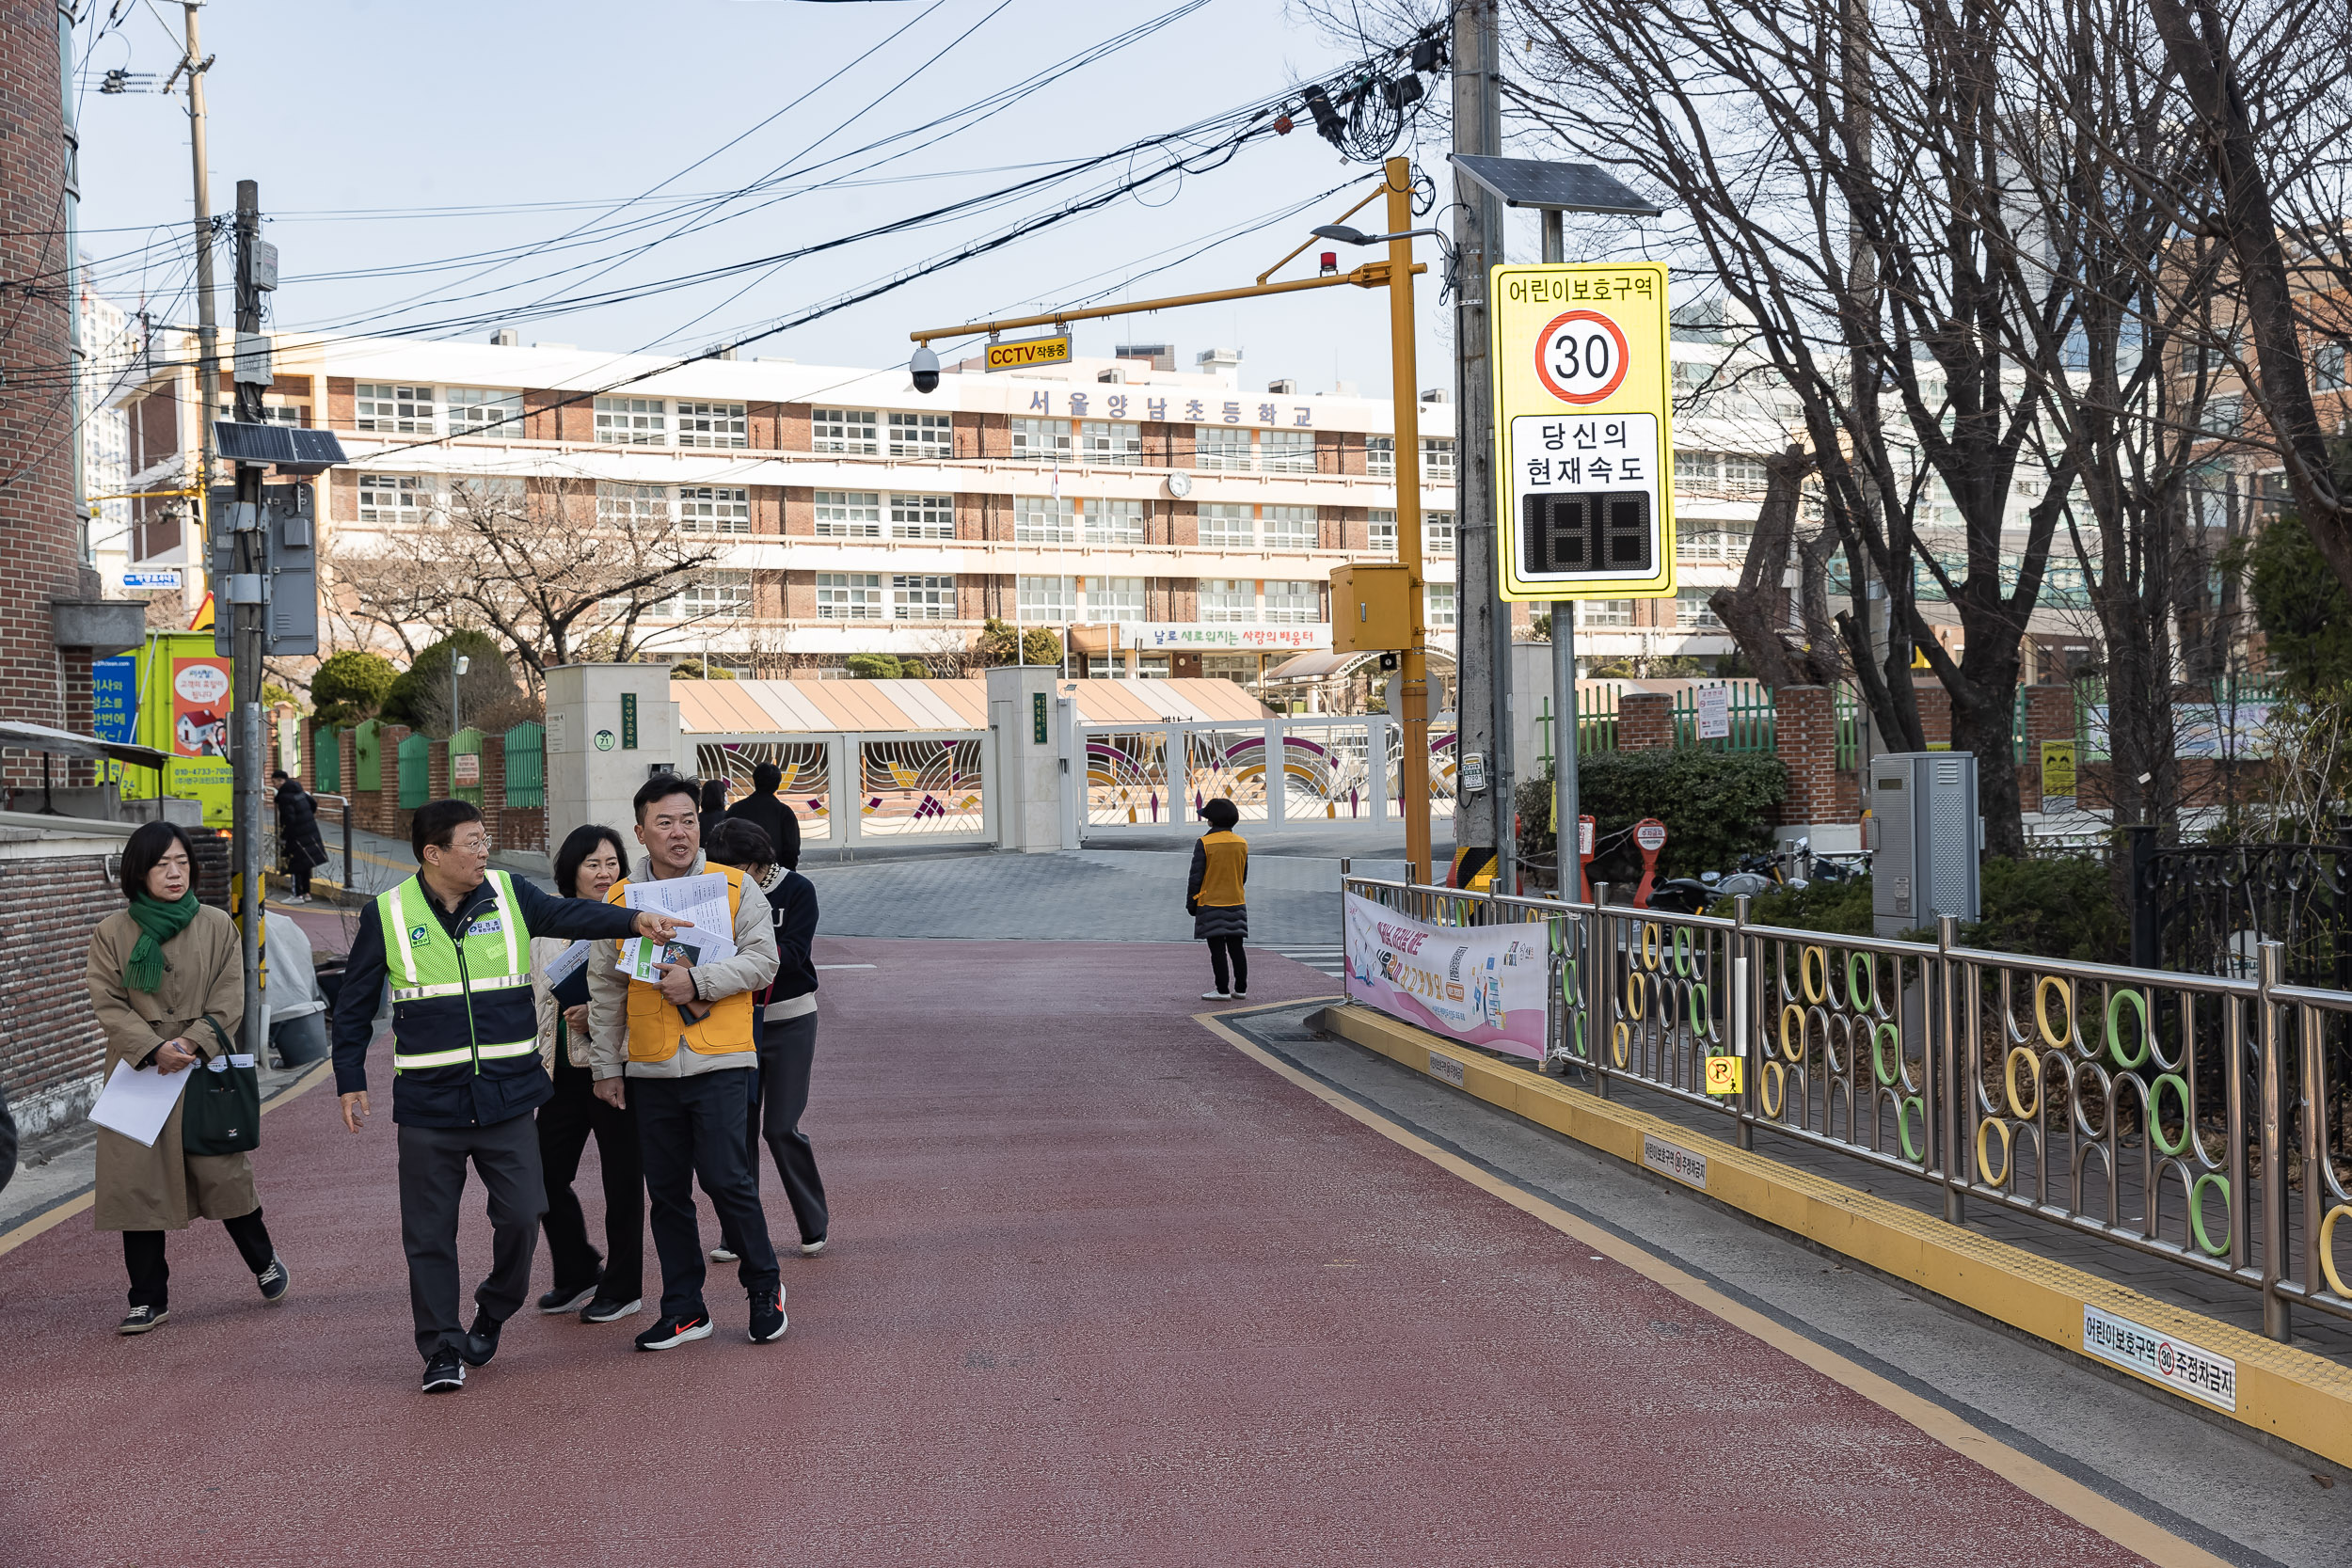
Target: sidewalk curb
2292,1395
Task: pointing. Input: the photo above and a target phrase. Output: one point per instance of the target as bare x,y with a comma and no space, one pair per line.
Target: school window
1436,459
395,497
479,411
1437,534
1229,599
1221,447
1286,452
286,413
2328,373
632,505
1114,522
711,424
719,595
714,508
922,516
1228,528
1437,604
1743,474
1045,520
922,598
921,436
849,515
1380,456
1112,442
1115,599
1694,613
392,410
1053,601
1294,603
633,422
849,430
1040,439
1604,612
1380,531
1289,528
1694,471
848,597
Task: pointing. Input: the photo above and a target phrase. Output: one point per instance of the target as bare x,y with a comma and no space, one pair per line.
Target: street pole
1482,822
207,332
1568,731
1404,388
245,606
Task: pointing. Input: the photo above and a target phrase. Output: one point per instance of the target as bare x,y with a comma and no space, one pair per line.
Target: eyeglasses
477,845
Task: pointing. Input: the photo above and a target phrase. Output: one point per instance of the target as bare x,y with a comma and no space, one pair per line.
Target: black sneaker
567,1298
143,1320
767,1320
481,1340
604,1309
670,1333
274,1281
444,1373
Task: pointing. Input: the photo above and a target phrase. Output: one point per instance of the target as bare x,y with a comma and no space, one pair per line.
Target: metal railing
2189,1118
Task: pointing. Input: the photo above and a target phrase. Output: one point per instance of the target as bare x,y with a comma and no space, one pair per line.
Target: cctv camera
925,368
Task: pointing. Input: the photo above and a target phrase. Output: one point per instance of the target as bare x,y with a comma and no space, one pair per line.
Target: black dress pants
692,1130
565,1124
787,1049
506,1155
151,1275
1228,950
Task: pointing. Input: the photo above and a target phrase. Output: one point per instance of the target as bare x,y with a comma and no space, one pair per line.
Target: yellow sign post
2057,770
1584,468
1028,352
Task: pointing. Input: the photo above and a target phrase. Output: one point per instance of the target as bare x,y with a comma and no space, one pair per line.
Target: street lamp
457,667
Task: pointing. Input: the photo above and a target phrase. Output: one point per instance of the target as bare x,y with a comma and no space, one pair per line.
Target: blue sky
354,116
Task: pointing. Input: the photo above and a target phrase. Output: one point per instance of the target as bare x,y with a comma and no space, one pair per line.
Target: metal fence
2196,1118
1302,769
1755,720
850,789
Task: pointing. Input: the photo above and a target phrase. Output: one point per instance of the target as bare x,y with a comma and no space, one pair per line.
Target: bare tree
1754,612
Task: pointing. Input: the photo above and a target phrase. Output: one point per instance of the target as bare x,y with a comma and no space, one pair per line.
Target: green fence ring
1858,991
2156,1122
1877,1053
1682,950
2138,999
1902,1127
1697,993
2196,1212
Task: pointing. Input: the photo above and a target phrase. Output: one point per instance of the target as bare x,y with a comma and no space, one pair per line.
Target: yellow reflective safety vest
655,1024
463,1002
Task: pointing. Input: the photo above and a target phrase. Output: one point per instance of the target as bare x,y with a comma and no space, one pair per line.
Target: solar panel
294,449
1560,187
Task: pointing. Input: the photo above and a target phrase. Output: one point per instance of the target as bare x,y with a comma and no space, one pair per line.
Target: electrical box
1926,839
1372,608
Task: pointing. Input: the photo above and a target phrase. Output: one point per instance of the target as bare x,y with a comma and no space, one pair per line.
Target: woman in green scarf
163,971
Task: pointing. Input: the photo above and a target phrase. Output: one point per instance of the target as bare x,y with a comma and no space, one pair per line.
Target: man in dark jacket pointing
454,941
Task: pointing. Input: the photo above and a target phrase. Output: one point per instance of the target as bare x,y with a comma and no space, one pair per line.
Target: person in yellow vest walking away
1213,899
684,1048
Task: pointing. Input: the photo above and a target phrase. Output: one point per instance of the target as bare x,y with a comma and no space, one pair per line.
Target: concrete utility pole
1482,821
207,332
244,602
1566,730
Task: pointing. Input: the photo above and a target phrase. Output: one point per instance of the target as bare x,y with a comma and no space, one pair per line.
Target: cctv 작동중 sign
1028,352
1582,423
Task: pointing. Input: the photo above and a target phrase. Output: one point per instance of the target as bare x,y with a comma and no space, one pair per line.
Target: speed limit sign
1584,459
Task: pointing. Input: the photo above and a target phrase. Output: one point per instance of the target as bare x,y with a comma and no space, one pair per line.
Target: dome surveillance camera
925,369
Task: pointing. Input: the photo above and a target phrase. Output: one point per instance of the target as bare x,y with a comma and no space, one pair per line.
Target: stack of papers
137,1101
699,905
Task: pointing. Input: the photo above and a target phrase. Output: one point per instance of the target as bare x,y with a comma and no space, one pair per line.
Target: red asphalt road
1102,1291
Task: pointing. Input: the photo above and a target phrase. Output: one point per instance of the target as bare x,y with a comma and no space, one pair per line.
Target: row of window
1692,612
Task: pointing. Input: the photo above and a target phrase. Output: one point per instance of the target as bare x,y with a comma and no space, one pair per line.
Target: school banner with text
1482,985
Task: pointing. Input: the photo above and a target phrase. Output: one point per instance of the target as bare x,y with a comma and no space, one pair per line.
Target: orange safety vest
655,1027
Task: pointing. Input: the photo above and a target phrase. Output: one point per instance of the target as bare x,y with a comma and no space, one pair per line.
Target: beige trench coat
161,1188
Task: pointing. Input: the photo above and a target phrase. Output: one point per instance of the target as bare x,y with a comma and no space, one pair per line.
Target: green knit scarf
158,923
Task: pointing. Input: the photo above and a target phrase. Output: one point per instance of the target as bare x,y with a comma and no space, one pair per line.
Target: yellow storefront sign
1028,352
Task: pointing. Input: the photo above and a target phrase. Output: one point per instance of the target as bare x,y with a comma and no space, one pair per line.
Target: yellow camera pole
1396,275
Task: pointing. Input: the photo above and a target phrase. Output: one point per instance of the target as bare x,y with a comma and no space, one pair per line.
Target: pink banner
1482,985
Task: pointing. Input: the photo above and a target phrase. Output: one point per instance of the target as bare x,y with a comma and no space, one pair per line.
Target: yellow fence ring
1861,994
1984,1166
2009,1082
2050,1037
1653,944
1776,1087
2196,1212
1794,1053
2138,999
1618,1042
2327,1249
1636,994
1815,982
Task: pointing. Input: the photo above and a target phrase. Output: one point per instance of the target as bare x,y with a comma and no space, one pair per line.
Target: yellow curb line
73,1206
2029,1475
2299,1397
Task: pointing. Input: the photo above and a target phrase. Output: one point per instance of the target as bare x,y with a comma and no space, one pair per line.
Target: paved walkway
1103,1290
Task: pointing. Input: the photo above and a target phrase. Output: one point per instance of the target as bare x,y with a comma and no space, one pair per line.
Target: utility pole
207,332
1481,820
245,604
1567,730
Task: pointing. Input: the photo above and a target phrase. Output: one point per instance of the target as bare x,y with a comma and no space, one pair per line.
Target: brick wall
1806,735
2049,716
51,1047
1645,722
1935,711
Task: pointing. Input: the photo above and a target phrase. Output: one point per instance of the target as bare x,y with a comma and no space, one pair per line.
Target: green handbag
221,1113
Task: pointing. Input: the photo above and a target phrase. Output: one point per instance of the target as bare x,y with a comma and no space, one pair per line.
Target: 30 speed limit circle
1581,357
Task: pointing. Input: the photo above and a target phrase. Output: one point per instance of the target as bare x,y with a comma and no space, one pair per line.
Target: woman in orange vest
1214,897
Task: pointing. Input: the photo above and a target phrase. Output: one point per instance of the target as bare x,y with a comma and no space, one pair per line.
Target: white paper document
568,963
137,1101
688,901
692,945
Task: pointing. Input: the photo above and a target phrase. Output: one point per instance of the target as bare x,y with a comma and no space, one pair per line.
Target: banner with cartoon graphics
1482,985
